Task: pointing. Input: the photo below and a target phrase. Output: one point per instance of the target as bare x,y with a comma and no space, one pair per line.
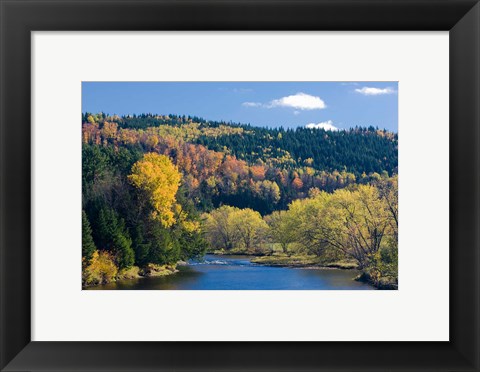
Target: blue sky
330,105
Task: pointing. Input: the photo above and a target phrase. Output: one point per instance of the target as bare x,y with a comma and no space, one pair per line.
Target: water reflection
238,273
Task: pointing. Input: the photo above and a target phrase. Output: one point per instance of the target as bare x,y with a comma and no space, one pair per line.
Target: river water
216,272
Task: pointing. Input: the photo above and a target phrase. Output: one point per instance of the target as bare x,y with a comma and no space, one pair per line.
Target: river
217,272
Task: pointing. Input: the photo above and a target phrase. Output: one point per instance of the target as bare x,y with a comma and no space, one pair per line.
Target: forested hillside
359,150
157,189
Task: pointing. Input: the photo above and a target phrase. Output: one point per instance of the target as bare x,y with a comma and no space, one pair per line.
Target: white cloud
299,101
251,104
326,125
369,91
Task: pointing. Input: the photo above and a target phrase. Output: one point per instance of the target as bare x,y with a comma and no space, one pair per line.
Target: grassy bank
102,274
152,270
381,283
302,261
238,252
282,260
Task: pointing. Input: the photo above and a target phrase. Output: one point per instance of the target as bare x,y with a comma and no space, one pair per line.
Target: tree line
216,177
141,220
358,150
359,223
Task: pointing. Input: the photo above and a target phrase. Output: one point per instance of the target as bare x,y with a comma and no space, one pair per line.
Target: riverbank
237,272
302,261
284,260
313,262
100,277
237,252
134,277
382,283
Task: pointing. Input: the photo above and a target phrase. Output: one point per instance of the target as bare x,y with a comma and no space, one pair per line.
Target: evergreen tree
124,254
88,246
164,249
140,245
114,237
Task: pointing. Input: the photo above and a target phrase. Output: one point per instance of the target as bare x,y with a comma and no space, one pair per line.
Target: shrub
130,273
158,270
101,270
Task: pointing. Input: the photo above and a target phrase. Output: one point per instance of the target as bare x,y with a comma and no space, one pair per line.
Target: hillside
359,150
241,165
159,189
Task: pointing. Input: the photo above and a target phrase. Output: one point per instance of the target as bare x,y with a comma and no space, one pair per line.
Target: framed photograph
174,202
239,185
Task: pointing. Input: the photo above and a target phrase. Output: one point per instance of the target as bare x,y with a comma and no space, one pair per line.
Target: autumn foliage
162,188
101,270
159,179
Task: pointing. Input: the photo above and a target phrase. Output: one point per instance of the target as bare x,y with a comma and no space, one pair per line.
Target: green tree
164,248
88,246
113,236
140,245
124,254
96,177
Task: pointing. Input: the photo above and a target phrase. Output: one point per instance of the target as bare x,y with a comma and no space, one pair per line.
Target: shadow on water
186,277
238,273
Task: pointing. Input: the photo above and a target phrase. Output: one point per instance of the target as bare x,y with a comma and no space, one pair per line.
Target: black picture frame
18,18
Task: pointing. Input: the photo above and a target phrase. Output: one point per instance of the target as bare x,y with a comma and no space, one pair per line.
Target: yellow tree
388,189
219,227
281,228
249,227
365,222
310,223
157,176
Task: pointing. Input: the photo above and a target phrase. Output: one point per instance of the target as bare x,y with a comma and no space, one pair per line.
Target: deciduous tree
159,179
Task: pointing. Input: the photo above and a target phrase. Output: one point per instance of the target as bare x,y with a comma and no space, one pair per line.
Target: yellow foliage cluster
361,223
150,136
222,130
232,228
130,273
101,270
158,270
157,176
